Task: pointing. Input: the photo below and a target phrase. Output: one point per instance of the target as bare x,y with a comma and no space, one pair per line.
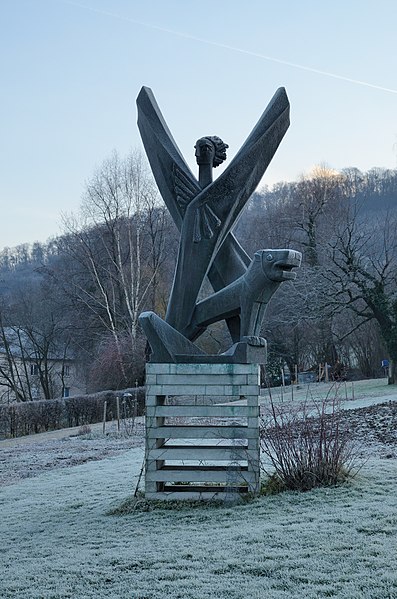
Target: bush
85,429
307,447
26,418
118,366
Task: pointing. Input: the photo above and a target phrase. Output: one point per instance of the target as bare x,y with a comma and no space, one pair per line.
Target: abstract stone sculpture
205,212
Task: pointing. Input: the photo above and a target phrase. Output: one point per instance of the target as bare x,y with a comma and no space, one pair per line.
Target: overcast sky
71,71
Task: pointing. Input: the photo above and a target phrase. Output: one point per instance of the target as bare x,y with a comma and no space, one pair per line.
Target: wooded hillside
85,289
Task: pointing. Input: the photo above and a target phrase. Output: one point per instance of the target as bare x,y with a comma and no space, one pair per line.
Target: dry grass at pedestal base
59,542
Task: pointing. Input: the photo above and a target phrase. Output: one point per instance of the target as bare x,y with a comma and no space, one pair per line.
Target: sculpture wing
228,194
183,188
175,181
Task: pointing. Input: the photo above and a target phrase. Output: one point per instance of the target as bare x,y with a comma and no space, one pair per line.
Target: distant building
33,367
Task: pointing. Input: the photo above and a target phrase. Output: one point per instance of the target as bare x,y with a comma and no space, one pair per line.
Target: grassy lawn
58,540
345,391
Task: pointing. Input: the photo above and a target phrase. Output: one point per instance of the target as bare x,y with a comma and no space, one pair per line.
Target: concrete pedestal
202,431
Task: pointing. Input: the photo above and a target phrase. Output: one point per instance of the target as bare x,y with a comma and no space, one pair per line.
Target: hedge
27,418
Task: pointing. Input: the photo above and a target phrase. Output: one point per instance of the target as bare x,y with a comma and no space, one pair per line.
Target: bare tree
34,344
363,273
117,246
318,197
300,215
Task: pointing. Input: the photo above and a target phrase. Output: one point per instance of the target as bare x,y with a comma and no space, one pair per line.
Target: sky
70,73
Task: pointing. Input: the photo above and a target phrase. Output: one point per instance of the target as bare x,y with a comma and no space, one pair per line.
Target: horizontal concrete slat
200,476
201,389
219,453
201,432
153,390
203,411
202,379
182,369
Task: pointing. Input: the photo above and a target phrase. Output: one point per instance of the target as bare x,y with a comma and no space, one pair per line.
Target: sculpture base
202,431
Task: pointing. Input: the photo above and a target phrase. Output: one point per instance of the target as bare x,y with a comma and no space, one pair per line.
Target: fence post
104,416
118,412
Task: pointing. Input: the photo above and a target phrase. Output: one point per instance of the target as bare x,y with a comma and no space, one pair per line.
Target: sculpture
205,212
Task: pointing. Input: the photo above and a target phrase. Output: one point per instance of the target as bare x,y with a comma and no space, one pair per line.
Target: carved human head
210,150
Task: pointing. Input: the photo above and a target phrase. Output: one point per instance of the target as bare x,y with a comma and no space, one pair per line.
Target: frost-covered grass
59,542
344,391
28,456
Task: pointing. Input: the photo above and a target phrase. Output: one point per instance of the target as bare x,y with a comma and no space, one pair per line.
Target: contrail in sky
227,47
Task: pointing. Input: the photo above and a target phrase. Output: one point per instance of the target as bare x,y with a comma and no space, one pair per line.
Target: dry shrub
118,365
84,429
307,446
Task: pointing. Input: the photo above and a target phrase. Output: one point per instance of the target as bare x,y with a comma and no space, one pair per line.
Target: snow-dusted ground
351,393
58,540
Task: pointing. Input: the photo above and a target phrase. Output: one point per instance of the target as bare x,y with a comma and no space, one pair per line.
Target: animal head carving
278,264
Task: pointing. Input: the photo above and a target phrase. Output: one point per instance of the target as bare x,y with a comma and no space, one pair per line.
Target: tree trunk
392,377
